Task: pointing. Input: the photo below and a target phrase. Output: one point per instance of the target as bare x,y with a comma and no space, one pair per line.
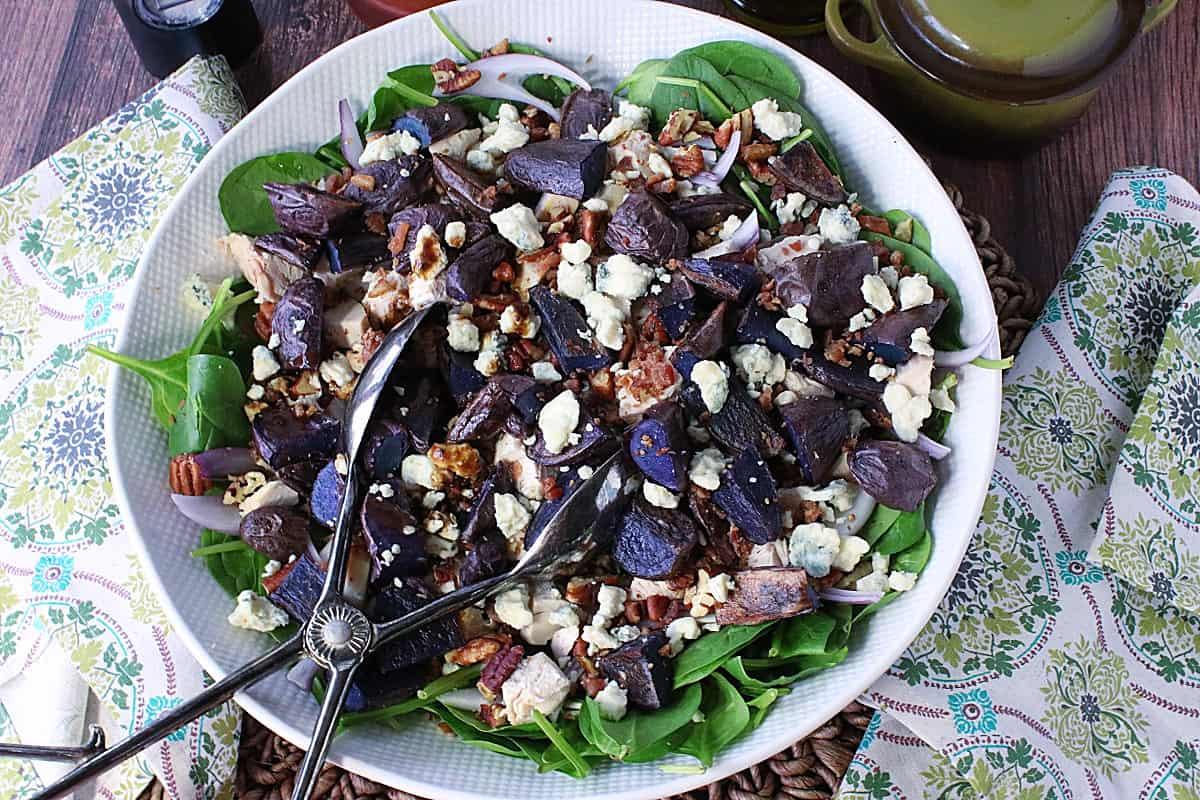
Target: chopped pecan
498,49
659,185
262,320
792,229
896,258
593,684
591,226
496,302
582,591
461,459
376,223
633,611
185,477
742,121
450,77
689,162
399,237
757,151
681,581
497,670
370,343
657,605
580,651
810,511
479,649
504,272
363,181
678,124
515,360
876,224
761,172
494,714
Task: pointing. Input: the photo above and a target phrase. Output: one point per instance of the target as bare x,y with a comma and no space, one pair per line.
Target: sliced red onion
221,462
352,143
466,699
358,576
936,450
493,70
713,177
856,518
958,358
313,553
851,596
706,142
303,673
743,237
209,511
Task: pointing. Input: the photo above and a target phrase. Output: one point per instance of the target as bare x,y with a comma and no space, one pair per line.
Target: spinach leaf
807,634
774,674
886,600
422,699
904,534
212,413
229,581
881,521
935,427
905,223
752,62
637,730
689,81
760,705
914,558
710,651
503,745
529,730
755,91
725,717
244,204
579,767
641,82
945,333
551,88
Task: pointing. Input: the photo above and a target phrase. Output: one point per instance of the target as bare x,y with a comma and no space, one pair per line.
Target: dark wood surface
68,64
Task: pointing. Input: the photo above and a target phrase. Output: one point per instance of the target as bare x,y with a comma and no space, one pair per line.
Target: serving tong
338,636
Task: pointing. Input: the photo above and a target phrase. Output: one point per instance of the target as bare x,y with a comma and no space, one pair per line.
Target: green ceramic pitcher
1007,73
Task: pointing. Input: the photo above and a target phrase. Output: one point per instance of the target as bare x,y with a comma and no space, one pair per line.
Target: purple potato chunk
356,250
466,188
897,474
461,376
483,417
715,526
304,210
567,333
435,215
481,521
275,531
642,669
741,423
567,167
375,689
595,442
703,343
852,381
396,547
385,447
660,447
747,496
398,184
767,593
730,280
303,251
327,492
643,228
486,559
674,306
432,123
427,412
568,481
701,211
827,282
758,326
426,643
300,476
282,438
653,542
296,587
298,322
584,109
890,336
469,274
816,427
801,169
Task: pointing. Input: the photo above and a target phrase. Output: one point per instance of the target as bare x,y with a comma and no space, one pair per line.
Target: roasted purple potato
568,167
643,228
897,474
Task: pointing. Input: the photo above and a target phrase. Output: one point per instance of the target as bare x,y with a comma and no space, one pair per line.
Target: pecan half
678,124
185,477
498,669
461,459
479,649
494,714
591,226
450,77
688,163
262,320
742,121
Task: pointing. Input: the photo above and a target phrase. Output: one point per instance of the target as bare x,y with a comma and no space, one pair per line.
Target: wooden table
69,64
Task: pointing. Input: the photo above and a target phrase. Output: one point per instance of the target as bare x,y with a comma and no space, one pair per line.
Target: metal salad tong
339,636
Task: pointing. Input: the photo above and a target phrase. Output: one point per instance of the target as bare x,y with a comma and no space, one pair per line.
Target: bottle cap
166,33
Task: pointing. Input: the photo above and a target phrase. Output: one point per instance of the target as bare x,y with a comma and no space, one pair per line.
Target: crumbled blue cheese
796,331
612,701
851,551
629,117
519,322
551,613
512,607
456,233
901,581
456,145
729,227
575,279
271,493
814,547
775,124
940,399
881,372
876,293
660,496
914,290
861,320
336,370
874,581
789,209
518,225
481,160
389,147
838,225
577,252
908,411
197,294
606,317
256,613
557,421
681,630
713,381
599,639
706,468
511,452
537,683
512,518
757,365
263,363
545,372
427,258
920,343
508,133
491,348
610,604
418,470
622,277
462,334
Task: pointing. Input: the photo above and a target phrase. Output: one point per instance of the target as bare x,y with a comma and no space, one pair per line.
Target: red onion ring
851,596
352,143
221,462
743,237
936,450
209,511
493,69
713,177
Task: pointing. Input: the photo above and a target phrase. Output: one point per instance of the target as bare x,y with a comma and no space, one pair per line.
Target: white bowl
603,40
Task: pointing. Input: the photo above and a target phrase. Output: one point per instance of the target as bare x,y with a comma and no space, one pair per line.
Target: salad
675,269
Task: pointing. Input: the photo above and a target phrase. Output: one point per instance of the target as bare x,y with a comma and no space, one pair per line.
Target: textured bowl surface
605,40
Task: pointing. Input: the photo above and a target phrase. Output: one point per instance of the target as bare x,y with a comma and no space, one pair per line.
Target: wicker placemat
811,769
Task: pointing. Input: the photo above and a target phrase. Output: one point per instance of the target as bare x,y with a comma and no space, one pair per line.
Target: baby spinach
914,558
422,699
749,61
908,228
753,91
580,767
637,730
212,413
807,634
904,534
495,744
231,573
760,705
706,655
775,673
725,717
882,519
945,335
243,202
640,83
935,427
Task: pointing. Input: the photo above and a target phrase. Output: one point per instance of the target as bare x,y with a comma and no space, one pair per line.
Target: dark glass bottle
783,17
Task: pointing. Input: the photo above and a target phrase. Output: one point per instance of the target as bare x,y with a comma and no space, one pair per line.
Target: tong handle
35,752
184,713
335,696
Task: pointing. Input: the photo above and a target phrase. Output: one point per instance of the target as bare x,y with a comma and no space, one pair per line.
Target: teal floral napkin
1063,662
71,232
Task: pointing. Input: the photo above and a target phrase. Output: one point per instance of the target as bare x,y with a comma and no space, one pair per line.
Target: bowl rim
671,784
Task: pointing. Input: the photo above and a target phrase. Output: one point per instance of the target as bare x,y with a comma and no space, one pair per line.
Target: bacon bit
602,384
398,238
835,351
649,375
451,78
376,223
461,459
653,330
335,182
516,361
479,649
742,121
498,669
550,488
262,320
876,224
582,592
593,685
185,477
363,181
443,572
591,226
370,343
688,163
633,611
579,650
657,605
494,714
504,272
896,258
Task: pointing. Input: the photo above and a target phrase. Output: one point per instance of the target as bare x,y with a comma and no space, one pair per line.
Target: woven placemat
811,769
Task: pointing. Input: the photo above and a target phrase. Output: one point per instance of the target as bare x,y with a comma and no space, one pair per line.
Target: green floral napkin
1063,662
71,232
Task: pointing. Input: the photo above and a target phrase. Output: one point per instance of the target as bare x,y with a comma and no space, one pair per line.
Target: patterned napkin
1063,662
71,232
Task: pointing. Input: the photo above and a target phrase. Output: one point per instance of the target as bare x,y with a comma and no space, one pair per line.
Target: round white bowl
603,40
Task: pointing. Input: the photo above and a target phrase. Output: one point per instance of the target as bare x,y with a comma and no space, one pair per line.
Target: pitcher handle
879,53
1156,12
